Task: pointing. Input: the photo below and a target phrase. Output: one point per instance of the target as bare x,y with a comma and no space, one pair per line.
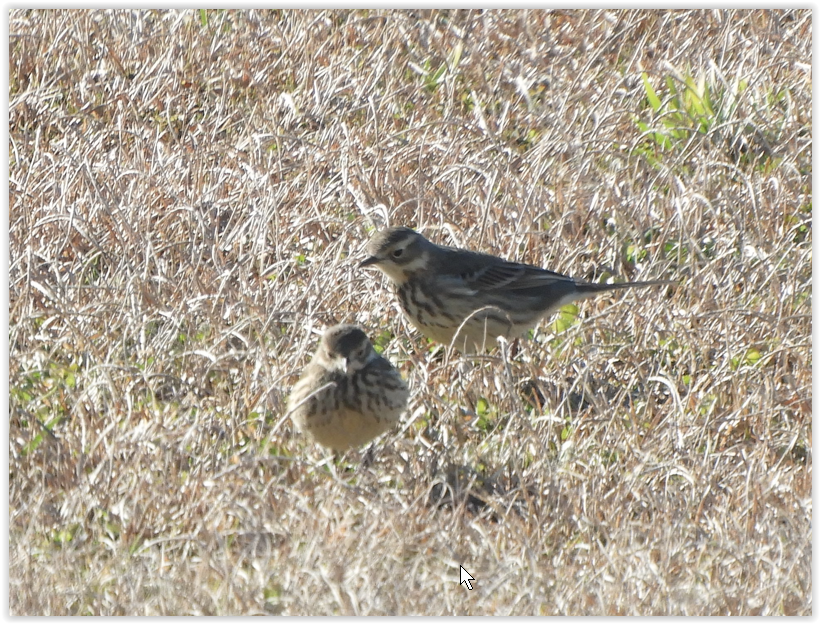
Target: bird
468,299
348,394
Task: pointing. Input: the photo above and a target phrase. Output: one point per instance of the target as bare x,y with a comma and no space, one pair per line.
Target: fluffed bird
348,394
468,299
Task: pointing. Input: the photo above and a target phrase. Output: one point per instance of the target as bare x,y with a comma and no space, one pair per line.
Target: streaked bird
348,394
468,299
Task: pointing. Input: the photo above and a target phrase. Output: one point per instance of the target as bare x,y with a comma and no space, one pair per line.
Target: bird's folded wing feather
511,275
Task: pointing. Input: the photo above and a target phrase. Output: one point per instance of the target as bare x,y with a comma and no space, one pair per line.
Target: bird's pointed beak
369,261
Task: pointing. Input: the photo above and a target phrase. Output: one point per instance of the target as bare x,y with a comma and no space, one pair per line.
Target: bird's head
346,348
398,252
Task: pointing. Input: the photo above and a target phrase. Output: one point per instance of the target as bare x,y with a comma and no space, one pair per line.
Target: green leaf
651,96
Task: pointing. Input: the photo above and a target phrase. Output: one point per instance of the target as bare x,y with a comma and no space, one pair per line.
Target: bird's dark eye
397,253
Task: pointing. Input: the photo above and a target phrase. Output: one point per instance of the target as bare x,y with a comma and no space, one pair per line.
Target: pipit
348,394
468,299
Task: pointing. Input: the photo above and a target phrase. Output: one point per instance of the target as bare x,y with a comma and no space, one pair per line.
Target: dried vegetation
190,193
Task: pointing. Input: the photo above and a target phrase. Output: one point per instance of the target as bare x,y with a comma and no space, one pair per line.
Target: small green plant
487,415
567,317
692,106
432,79
750,358
382,340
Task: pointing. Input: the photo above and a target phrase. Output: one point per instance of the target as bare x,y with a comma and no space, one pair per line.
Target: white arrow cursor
466,577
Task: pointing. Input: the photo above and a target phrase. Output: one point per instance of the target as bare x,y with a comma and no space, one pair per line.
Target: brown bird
468,299
348,394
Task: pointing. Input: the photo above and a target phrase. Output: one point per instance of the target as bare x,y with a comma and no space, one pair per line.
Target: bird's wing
500,274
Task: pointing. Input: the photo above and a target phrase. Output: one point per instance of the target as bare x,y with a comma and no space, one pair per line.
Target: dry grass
189,197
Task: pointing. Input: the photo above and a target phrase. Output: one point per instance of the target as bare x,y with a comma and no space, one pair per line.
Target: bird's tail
591,288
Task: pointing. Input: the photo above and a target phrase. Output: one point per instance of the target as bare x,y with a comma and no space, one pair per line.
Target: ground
190,196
